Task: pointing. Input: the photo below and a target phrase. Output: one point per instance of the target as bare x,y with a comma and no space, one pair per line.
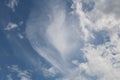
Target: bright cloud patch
11,26
80,45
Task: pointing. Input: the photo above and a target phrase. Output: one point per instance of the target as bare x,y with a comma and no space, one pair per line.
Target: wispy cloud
14,71
12,4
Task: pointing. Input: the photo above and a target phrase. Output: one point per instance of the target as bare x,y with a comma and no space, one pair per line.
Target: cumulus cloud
101,62
60,40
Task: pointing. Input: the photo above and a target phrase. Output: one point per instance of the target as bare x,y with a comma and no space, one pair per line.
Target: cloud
109,7
12,4
48,72
22,74
57,40
61,40
11,26
101,62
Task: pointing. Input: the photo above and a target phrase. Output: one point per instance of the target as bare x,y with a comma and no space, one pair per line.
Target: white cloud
11,26
52,71
101,62
63,39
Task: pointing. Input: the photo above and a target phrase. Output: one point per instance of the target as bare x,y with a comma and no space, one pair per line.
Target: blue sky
59,40
13,49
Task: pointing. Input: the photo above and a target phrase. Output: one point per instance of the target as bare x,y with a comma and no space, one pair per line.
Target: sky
62,40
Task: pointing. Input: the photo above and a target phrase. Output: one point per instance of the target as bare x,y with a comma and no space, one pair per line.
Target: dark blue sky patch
101,37
87,6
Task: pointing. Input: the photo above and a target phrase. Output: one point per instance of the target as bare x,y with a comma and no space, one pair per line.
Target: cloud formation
67,40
